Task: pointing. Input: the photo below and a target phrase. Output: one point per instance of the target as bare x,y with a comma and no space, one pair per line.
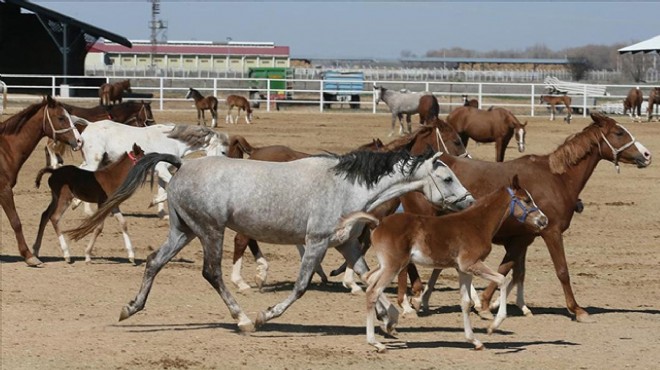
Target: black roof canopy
59,17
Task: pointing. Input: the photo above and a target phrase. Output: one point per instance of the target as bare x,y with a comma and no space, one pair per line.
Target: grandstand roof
646,46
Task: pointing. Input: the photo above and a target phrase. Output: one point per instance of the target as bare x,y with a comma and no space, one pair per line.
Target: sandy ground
65,316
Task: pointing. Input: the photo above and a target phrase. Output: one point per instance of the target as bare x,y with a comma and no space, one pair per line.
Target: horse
474,103
428,109
632,104
241,103
111,93
486,126
129,113
555,181
654,98
19,135
297,202
461,240
203,103
68,182
553,100
180,140
399,104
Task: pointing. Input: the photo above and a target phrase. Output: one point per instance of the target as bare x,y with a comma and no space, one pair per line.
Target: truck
280,84
343,87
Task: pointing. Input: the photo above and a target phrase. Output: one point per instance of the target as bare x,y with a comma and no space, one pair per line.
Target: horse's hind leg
318,270
465,280
179,236
240,244
228,116
409,123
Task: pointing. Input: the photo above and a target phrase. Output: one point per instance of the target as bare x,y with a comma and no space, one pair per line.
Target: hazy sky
378,29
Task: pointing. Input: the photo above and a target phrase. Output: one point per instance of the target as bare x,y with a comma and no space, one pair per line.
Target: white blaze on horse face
188,94
645,152
521,140
76,134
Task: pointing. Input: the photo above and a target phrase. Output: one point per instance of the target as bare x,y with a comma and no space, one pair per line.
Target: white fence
169,93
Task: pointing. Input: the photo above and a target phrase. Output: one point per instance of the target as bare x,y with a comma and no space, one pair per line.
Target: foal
68,182
461,240
203,103
240,103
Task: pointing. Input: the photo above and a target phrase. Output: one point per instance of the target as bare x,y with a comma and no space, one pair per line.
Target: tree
578,66
633,66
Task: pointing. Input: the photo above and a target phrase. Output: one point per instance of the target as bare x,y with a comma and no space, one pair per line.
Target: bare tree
578,65
633,66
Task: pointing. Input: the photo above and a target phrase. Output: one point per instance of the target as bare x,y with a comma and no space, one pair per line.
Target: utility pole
156,26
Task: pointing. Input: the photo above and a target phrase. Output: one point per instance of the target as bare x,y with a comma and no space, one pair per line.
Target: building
186,56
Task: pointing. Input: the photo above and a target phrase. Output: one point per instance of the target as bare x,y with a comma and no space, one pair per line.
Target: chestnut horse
111,93
461,240
555,181
19,135
474,103
654,98
486,126
129,113
632,104
241,103
553,100
89,186
203,103
428,108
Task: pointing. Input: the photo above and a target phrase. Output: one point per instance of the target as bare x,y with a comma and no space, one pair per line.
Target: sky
378,30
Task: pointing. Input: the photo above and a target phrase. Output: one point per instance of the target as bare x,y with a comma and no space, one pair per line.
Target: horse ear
51,102
515,184
600,119
525,124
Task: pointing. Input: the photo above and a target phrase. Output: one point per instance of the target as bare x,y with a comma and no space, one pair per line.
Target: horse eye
448,180
619,133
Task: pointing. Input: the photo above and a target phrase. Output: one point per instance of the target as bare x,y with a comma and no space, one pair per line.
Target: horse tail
347,224
37,181
136,177
215,104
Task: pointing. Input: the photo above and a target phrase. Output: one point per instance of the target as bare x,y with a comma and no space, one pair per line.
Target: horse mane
574,149
195,135
366,167
14,123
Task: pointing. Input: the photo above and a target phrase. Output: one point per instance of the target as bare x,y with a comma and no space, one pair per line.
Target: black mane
368,168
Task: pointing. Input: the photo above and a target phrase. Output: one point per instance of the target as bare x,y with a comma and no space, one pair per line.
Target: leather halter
517,202
617,152
52,127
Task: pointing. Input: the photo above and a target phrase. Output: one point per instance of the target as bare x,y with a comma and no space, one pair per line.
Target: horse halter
132,157
50,122
517,202
440,140
617,152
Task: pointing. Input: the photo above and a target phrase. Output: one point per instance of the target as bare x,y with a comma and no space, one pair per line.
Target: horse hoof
246,327
34,262
490,330
125,314
132,261
479,347
585,318
485,315
261,319
68,260
380,348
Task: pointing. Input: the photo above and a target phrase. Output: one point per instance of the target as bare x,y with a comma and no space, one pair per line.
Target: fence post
52,88
215,87
426,87
161,91
373,100
584,102
268,95
321,96
479,95
532,102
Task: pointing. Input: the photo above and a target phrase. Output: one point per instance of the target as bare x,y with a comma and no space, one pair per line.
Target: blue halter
517,202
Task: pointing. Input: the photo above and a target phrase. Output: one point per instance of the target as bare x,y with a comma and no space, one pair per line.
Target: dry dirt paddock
65,316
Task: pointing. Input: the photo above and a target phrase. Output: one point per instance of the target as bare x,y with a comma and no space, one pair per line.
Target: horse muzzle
461,203
541,222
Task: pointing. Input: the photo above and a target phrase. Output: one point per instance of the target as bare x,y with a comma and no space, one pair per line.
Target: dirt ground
65,316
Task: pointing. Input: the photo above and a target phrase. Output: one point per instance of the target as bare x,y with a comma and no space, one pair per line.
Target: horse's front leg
393,123
164,177
240,245
409,122
7,201
314,253
552,113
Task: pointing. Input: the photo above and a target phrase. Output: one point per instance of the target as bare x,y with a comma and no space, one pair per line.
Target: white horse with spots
179,140
400,103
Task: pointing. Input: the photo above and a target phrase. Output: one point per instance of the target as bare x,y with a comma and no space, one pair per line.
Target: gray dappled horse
298,202
400,103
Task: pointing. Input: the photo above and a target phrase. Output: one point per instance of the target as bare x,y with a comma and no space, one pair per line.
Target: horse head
190,93
520,136
148,118
622,144
523,208
126,85
60,124
443,189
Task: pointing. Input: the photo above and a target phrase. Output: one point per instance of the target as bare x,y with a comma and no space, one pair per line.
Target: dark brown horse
131,113
113,93
632,104
486,126
654,99
428,108
19,135
474,103
241,103
555,181
203,103
553,100
461,241
89,186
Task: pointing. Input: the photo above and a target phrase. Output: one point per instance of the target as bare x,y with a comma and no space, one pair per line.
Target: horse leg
552,112
318,270
402,297
164,177
377,281
349,281
53,159
124,230
481,269
95,234
228,116
62,203
314,253
465,280
409,123
240,244
518,281
400,117
422,302
214,115
179,236
393,123
7,201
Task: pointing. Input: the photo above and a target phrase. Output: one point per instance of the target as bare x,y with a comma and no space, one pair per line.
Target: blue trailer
342,87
